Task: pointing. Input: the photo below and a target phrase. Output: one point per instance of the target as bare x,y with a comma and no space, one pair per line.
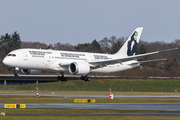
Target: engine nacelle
30,71
79,68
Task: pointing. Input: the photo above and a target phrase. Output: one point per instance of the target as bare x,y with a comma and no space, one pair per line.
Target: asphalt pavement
99,96
108,106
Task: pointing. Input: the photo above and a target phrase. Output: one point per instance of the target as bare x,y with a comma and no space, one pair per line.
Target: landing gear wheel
16,69
85,78
62,78
82,77
65,79
89,79
16,73
58,78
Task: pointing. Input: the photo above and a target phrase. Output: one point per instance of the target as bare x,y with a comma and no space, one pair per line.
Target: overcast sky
82,21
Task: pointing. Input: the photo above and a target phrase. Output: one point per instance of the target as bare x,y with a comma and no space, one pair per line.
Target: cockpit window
14,55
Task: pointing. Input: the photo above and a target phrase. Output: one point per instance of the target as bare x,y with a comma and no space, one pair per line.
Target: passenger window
14,55
9,54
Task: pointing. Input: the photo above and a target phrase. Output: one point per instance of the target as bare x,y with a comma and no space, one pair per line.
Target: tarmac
98,96
170,109
108,106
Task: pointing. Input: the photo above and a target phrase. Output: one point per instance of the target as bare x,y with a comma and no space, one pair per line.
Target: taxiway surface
99,96
143,106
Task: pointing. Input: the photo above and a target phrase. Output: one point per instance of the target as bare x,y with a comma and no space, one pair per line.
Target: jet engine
30,71
79,68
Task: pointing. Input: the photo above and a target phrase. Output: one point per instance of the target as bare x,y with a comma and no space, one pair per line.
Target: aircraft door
47,60
25,56
90,58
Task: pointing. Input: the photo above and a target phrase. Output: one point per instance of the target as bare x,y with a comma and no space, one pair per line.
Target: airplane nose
10,61
5,61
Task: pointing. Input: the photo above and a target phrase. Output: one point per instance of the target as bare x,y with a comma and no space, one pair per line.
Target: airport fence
92,88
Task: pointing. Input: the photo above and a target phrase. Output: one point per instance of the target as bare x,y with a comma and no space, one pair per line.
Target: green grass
44,99
56,111
123,85
84,92
89,118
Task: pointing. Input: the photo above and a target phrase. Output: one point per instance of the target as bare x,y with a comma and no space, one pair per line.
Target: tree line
170,67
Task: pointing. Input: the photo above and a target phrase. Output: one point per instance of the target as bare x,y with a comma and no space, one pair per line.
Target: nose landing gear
16,71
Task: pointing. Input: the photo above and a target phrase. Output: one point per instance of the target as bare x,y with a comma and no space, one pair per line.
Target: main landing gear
62,78
16,73
85,78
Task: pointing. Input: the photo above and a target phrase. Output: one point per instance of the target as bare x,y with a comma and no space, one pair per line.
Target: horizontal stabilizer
137,62
168,50
152,60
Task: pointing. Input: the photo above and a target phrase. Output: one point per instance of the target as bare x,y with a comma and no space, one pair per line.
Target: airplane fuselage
54,60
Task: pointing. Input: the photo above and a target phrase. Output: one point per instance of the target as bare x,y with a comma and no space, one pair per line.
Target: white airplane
33,61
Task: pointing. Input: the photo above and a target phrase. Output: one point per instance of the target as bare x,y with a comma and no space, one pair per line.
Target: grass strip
46,99
89,118
121,85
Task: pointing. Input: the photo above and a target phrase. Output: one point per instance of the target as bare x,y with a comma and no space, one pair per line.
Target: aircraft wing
121,60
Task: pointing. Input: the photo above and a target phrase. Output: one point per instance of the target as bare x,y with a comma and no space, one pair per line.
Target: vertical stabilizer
130,46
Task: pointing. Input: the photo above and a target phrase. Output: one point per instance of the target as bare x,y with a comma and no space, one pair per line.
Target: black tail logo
132,44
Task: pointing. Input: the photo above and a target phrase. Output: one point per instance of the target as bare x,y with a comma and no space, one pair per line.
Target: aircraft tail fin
130,46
